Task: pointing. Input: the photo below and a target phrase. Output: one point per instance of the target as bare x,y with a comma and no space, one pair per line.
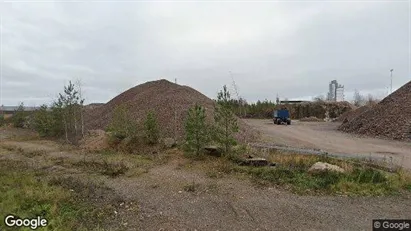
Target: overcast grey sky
293,49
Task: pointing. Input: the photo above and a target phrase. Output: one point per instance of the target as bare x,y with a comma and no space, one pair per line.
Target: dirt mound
349,115
169,101
390,118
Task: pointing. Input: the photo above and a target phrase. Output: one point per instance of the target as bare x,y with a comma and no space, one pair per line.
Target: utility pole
240,101
175,116
391,78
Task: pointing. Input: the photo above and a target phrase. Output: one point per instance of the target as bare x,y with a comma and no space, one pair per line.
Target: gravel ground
235,204
226,203
324,136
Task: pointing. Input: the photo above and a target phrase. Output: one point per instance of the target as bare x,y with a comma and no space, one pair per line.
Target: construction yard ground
164,193
325,137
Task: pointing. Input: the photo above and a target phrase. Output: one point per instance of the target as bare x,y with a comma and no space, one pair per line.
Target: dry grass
67,203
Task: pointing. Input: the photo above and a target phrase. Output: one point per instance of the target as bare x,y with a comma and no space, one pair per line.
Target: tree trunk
65,129
82,121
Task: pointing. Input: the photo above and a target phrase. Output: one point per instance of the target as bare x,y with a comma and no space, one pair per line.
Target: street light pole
391,78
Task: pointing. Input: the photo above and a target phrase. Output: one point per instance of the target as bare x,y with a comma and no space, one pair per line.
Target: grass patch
292,173
25,152
24,194
361,181
104,167
191,187
114,164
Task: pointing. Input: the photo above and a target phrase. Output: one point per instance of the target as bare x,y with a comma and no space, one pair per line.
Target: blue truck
282,117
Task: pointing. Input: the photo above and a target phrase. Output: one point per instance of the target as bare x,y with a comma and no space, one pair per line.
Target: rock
213,151
257,162
168,142
322,167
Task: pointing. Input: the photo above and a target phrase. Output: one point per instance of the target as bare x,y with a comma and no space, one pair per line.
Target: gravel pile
349,115
390,118
167,100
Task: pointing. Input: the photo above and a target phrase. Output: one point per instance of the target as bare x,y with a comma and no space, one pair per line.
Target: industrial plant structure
335,92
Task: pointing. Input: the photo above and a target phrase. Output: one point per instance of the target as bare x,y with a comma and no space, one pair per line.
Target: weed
213,187
192,187
112,169
212,174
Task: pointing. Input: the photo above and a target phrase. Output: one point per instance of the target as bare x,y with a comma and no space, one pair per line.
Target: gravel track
321,137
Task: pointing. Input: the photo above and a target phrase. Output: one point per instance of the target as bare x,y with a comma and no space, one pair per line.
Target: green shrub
130,144
151,129
363,181
225,121
19,117
122,125
2,120
48,121
197,131
123,130
368,175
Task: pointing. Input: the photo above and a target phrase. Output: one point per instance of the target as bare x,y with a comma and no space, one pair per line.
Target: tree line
64,119
257,110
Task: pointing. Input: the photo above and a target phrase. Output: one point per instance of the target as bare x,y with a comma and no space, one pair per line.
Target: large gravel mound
167,100
390,118
350,115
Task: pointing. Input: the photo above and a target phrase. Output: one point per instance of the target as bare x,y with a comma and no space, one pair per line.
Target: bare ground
324,136
226,203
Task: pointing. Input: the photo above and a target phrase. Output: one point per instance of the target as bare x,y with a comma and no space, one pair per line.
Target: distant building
293,101
335,91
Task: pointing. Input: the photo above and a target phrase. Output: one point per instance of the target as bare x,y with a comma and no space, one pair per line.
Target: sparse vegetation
2,120
109,168
361,100
225,121
152,133
122,125
191,187
27,195
19,117
123,131
70,104
64,117
197,131
359,179
48,122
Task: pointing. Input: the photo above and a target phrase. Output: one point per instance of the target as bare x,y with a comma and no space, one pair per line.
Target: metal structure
235,87
335,91
391,79
240,101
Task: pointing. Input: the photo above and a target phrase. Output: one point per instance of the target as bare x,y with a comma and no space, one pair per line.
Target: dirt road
324,136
